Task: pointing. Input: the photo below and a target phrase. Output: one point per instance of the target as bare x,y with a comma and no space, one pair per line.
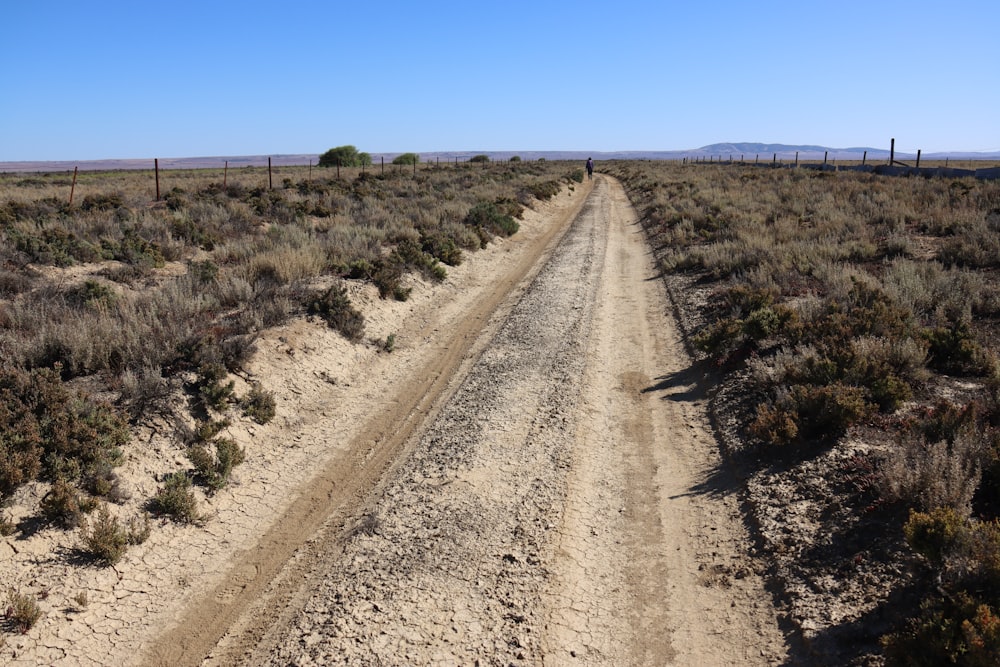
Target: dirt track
548,494
529,478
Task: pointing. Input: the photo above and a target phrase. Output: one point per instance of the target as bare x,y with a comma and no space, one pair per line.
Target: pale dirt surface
340,408
530,478
565,507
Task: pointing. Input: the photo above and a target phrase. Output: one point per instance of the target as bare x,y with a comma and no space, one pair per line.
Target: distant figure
590,168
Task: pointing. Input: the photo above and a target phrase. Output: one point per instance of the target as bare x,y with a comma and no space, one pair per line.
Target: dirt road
549,494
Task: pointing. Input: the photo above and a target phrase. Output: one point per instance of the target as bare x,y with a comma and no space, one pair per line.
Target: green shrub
344,156
406,159
487,217
442,247
479,159
106,539
335,307
176,500
258,404
91,294
214,469
543,191
52,432
954,350
212,391
576,175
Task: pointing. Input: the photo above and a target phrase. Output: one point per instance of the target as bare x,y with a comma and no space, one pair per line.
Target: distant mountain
786,151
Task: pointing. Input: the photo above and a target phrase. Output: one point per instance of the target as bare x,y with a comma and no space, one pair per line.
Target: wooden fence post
756,158
863,158
383,165
825,153
310,169
918,158
270,182
796,159
892,152
225,174
72,188
156,167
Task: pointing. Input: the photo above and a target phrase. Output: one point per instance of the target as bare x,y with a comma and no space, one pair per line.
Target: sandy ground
529,478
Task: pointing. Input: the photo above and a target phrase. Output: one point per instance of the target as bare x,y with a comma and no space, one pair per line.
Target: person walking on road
590,168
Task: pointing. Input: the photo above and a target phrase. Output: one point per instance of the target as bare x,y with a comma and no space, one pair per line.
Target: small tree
515,158
479,158
406,158
344,156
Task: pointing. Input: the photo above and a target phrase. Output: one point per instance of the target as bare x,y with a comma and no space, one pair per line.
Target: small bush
954,350
576,175
22,611
258,404
176,500
934,474
809,412
334,306
214,470
105,538
64,505
488,218
212,391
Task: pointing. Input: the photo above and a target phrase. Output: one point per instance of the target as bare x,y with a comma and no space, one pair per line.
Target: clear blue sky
90,80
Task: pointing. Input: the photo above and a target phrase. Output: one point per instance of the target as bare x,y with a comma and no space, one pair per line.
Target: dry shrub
22,611
106,539
335,307
930,474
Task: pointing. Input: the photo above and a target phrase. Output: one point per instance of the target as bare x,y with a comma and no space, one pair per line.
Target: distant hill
748,150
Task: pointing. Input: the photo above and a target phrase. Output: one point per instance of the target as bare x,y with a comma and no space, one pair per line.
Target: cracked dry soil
565,504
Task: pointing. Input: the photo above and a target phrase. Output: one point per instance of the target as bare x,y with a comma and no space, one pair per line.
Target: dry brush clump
845,305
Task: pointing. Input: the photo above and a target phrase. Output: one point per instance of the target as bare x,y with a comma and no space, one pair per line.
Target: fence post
72,188
310,169
774,160
892,152
863,158
414,167
796,159
383,165
156,167
225,174
825,153
270,183
918,158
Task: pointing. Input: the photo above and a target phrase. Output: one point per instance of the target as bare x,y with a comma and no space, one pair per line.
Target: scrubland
119,308
850,322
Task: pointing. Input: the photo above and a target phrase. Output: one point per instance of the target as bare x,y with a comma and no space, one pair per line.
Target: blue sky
92,80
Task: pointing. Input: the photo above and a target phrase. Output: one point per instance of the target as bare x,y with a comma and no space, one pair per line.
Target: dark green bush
213,469
487,217
334,306
176,500
258,404
52,432
954,350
